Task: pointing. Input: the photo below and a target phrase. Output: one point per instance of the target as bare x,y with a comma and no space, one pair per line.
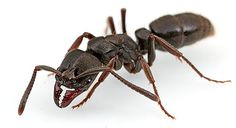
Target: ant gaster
106,54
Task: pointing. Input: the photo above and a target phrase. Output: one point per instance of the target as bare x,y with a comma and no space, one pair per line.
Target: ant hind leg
172,50
111,25
123,16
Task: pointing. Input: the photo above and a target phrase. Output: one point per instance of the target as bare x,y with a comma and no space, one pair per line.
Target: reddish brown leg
171,49
130,85
109,69
78,41
123,13
111,25
151,51
103,76
149,76
142,91
31,83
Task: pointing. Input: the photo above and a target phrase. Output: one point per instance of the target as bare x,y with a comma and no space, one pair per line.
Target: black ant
106,54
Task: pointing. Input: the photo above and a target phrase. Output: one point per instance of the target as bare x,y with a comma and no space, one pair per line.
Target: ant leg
105,73
78,41
109,69
172,50
111,25
103,76
123,15
130,85
142,91
135,68
149,76
30,86
151,50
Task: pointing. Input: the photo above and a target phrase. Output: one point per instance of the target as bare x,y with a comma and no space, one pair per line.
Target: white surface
40,32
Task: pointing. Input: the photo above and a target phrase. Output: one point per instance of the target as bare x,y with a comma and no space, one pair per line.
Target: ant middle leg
148,74
142,64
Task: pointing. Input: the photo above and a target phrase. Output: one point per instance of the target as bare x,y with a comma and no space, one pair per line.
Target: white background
40,32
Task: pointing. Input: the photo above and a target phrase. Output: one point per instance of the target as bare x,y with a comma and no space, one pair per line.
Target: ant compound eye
88,81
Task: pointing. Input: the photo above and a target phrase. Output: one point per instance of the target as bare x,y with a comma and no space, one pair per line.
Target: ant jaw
63,96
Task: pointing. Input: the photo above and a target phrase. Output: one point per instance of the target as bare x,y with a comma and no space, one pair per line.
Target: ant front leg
31,83
172,50
102,77
78,41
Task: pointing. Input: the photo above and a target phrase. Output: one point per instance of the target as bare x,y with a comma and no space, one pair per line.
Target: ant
106,54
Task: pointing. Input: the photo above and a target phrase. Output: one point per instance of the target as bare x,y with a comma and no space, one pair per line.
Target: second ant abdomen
179,30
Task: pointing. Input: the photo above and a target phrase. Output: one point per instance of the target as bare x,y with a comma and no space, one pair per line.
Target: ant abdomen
179,30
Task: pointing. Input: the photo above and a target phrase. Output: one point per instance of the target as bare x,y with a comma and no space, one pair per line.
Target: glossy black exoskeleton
79,69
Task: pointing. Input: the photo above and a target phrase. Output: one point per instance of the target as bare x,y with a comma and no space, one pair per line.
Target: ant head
75,78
